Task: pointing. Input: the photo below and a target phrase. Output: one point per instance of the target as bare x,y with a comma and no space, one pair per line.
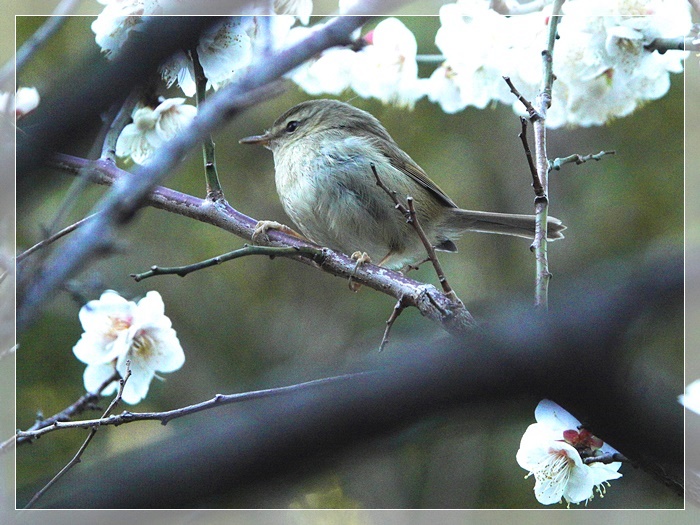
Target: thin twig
5,353
396,312
411,217
431,251
38,39
430,59
83,447
85,402
542,103
577,159
214,191
536,184
53,238
661,45
109,146
167,416
271,251
531,111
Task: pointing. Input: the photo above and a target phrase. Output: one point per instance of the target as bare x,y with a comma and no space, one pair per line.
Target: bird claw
360,258
261,228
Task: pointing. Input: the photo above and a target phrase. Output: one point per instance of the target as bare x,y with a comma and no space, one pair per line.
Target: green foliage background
256,322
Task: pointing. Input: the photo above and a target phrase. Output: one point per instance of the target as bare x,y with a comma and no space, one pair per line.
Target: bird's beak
263,140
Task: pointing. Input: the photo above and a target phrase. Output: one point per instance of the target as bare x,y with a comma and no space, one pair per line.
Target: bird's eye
292,125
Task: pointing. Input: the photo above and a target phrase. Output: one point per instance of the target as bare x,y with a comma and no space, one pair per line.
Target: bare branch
395,313
606,459
661,45
542,103
53,238
577,159
531,111
165,417
35,42
93,430
85,402
536,184
411,217
270,251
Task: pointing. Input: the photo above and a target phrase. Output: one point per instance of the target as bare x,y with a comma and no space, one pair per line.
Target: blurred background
255,322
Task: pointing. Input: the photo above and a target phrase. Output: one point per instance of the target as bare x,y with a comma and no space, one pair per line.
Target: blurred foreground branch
120,205
573,356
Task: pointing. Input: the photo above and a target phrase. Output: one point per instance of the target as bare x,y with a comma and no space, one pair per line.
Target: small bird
324,153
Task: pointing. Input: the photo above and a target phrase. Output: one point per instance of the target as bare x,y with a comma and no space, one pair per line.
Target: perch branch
432,304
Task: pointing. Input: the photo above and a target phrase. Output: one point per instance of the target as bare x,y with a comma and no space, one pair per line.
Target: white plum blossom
386,68
113,25
330,73
552,450
602,65
223,49
153,127
603,69
117,331
473,39
691,398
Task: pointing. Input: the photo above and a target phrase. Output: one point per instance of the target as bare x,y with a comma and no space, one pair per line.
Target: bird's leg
360,258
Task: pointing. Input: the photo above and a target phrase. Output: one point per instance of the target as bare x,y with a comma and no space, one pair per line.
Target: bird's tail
502,223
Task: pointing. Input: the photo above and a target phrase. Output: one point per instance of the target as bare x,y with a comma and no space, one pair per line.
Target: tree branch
541,105
429,301
167,416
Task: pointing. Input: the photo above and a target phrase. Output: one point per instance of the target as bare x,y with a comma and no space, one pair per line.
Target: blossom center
554,470
142,344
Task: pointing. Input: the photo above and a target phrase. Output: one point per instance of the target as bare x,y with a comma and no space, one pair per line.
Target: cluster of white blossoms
602,65
117,331
552,450
224,49
152,127
602,68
